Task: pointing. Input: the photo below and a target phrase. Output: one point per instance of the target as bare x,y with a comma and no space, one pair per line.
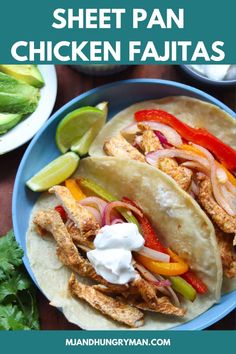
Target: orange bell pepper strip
177,267
223,152
192,148
74,189
195,150
231,178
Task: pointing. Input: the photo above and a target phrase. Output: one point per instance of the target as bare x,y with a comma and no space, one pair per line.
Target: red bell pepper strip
196,283
62,212
150,236
222,152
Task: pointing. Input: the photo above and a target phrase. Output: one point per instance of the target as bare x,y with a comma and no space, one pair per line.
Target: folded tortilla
194,112
181,224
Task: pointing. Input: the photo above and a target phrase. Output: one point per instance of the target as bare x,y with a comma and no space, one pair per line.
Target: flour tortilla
196,113
176,217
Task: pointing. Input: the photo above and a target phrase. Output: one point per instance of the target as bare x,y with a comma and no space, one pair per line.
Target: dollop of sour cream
112,257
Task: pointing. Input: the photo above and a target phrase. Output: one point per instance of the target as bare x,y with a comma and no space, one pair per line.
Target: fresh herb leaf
28,300
10,255
18,308
11,318
16,282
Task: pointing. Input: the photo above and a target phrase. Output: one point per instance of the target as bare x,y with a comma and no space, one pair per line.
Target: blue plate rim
189,88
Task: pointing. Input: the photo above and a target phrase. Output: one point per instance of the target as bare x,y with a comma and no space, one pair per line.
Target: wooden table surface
70,85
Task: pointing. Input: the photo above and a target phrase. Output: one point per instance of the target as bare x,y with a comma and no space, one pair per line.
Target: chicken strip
164,306
118,146
51,221
224,221
67,252
150,142
182,175
115,309
76,236
82,218
154,303
228,255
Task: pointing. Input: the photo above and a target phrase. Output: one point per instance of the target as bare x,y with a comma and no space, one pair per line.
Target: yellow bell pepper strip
195,150
191,148
93,187
177,267
74,189
182,287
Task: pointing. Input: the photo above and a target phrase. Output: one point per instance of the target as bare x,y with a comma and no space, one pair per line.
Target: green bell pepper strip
102,193
182,287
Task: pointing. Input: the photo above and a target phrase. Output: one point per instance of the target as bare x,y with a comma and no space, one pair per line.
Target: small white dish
26,129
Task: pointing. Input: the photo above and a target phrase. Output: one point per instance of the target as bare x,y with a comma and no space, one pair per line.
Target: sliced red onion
162,138
150,277
230,187
229,197
117,221
221,175
171,135
196,166
106,217
153,157
95,213
166,290
221,198
194,188
96,202
155,255
171,291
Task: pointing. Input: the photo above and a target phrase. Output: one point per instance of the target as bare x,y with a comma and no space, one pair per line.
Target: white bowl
26,129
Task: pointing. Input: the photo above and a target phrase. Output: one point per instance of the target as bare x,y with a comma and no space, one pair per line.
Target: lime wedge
55,172
81,146
75,124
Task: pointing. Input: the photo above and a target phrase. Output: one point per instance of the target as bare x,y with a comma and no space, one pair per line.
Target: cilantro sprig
18,308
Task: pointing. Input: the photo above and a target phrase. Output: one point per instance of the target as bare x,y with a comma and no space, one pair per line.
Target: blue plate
42,150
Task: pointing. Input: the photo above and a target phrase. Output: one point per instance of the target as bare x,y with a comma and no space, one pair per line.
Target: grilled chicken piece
76,236
224,221
51,221
154,303
67,252
150,142
182,175
228,255
130,290
81,217
115,309
164,306
118,146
